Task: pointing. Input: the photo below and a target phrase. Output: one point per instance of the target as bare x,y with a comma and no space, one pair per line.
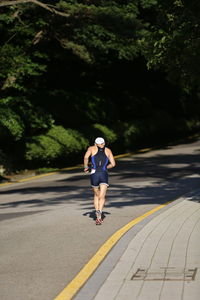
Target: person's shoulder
108,150
91,148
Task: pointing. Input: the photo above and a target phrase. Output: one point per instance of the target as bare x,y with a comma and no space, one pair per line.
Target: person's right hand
86,170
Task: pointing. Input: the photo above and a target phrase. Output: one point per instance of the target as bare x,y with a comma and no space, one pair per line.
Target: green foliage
108,134
158,127
57,143
173,42
94,130
131,133
20,60
19,116
46,170
18,66
148,3
82,66
10,122
35,118
78,50
76,108
103,28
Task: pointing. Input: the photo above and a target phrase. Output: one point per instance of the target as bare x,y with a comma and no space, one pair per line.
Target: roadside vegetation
77,69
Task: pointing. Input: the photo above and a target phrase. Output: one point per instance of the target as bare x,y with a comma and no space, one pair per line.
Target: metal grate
165,274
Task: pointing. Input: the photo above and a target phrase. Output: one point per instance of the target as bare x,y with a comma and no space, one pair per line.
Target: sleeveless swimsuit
99,174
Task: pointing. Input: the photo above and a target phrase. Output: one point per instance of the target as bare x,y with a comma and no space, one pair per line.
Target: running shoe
101,220
98,222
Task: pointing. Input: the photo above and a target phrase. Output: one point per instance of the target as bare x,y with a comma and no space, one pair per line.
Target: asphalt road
47,231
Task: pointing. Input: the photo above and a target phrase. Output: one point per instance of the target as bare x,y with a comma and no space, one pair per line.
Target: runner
102,159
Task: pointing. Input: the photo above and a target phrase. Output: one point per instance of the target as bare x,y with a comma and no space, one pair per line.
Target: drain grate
165,274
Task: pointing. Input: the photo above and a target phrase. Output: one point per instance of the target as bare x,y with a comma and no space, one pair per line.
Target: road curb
86,272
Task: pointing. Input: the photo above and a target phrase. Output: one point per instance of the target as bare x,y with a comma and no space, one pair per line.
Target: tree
172,42
77,63
72,41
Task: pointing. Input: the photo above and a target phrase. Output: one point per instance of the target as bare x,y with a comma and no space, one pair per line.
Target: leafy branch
36,2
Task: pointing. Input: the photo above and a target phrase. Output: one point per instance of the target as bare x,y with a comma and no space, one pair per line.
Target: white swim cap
99,140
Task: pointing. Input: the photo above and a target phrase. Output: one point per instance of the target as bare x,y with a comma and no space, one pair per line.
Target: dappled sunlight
175,166
135,181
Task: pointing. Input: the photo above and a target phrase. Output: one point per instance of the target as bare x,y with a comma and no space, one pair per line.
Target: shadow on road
135,181
92,215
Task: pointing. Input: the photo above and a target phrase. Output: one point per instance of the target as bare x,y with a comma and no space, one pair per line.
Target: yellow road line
145,150
73,287
77,167
56,172
132,153
42,175
122,155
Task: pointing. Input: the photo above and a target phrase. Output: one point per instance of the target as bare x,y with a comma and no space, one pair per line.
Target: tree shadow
136,180
13,215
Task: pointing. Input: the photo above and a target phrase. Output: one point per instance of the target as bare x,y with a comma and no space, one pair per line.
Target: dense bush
157,128
10,124
58,143
108,134
99,130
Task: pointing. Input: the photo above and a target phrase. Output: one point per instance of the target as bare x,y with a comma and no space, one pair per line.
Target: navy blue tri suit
99,174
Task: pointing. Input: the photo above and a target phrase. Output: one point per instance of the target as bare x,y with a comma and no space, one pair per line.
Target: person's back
99,160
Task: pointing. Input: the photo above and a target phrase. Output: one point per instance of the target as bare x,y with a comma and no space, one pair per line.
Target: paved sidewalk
162,260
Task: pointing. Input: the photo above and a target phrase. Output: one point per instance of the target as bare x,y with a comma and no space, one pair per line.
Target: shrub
57,143
95,130
131,133
107,133
11,123
151,130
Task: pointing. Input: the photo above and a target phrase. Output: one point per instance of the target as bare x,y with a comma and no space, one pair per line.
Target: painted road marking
42,175
56,172
80,166
74,286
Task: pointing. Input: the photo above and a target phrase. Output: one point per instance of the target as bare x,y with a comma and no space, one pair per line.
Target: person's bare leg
102,195
96,198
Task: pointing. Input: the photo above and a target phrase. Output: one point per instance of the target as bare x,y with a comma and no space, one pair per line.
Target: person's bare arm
86,159
112,163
